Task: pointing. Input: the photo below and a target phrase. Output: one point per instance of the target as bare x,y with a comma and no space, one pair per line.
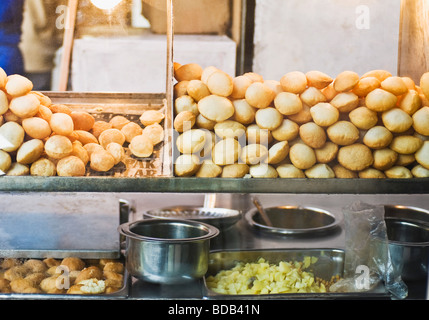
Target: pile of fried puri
45,139
70,275
302,126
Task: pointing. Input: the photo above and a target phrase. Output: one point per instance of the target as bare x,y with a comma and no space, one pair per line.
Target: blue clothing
11,17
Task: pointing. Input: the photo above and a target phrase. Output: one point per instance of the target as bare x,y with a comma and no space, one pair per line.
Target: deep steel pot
167,251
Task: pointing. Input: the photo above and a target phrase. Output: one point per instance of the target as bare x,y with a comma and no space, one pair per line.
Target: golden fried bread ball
324,114
380,74
424,84
288,130
23,286
18,85
204,123
191,141
102,161
62,124
253,153
289,171
89,273
365,86
363,118
268,118
73,263
218,83
186,165
18,169
263,170
45,113
302,156
35,278
243,112
25,106
208,169
312,96
99,126
116,150
320,171
421,121
287,103
294,82
187,103
329,92
14,134
188,72
3,78
355,157
35,266
30,151
5,286
398,172
397,120
274,85
216,108
16,272
255,77
405,159
226,152
406,144
86,137
410,102
343,173
380,100
259,95
394,85
43,167
92,147
346,81
36,127
312,135
141,146
255,134
8,263
151,116
80,152
51,262
52,285
60,108
371,173
58,147
422,155
180,88
5,161
229,129
318,79
118,122
82,120
185,120
4,102
278,152
327,153
384,159
111,135
343,133
345,101
303,116
155,132
418,171
236,170
71,166
377,137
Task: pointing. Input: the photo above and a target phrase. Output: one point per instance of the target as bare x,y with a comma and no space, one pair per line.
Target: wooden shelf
213,185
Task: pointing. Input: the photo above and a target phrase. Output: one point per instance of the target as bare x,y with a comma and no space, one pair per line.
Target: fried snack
43,167
82,120
151,116
5,161
345,101
405,159
240,85
324,114
377,137
92,147
320,171
23,286
380,74
85,137
180,88
226,152
345,81
397,120
130,130
410,102
312,135
99,126
5,286
208,169
255,77
394,85
384,159
302,156
418,171
16,272
365,86
116,150
259,95
73,263
18,169
343,173
421,121
363,118
188,72
216,108
155,133
185,120
218,83
36,127
329,92
51,262
243,112
253,153
229,129
274,85
327,153
191,141
70,166
318,79
80,152
60,108
343,133
236,170
406,144
118,122
380,100
141,146
288,130
30,151
371,173
355,157
263,170
422,155
186,102
111,135
287,103
3,78
278,152
17,85
9,116
4,102
268,118
25,106
8,263
58,147
294,82
186,165
398,172
289,171
204,123
91,272
424,84
102,161
303,116
35,266
312,96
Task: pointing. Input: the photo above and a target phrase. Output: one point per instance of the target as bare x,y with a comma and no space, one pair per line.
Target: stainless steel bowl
167,251
293,220
408,237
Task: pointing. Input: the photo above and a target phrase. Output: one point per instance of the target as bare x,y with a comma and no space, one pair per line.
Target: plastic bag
367,262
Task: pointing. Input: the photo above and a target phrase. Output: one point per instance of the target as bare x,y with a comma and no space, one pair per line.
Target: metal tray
104,106
330,263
